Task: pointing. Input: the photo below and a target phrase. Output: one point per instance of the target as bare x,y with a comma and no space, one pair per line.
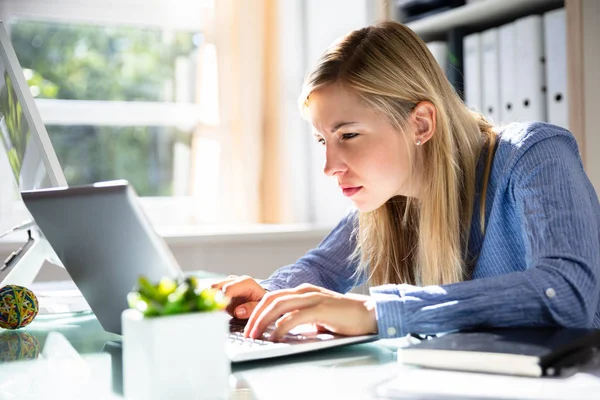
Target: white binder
531,79
472,71
439,51
555,36
508,63
490,75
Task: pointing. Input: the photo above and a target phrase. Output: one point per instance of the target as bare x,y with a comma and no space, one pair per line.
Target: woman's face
368,158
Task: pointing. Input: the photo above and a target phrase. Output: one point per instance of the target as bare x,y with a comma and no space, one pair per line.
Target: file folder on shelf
490,75
472,71
556,67
507,66
439,50
530,81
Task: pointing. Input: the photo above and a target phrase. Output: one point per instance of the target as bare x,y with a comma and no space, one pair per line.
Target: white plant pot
175,357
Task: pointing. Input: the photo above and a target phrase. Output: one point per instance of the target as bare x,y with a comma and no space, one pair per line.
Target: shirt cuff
388,311
269,286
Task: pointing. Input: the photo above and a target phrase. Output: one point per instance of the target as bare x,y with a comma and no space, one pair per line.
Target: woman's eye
347,136
321,141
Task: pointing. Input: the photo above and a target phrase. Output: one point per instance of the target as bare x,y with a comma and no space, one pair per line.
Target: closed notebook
525,351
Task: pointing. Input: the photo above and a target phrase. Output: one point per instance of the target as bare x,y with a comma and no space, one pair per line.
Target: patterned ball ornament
18,307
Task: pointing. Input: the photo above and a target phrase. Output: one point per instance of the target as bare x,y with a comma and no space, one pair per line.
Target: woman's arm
328,265
561,285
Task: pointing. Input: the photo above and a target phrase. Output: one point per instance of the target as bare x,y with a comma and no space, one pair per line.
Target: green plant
169,297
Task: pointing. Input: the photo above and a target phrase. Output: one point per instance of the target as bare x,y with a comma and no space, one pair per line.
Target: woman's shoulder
525,134
532,140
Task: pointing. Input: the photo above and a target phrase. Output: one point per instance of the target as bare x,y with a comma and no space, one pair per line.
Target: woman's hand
348,314
244,294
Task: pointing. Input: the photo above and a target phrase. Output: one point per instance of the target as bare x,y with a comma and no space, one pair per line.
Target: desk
349,372
352,372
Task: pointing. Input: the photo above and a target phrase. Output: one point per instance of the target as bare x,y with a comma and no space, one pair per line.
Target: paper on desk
62,304
59,297
421,383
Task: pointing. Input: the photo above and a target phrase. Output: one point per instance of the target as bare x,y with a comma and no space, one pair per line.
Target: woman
458,224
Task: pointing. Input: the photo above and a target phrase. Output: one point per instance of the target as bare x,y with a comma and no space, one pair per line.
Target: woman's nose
334,163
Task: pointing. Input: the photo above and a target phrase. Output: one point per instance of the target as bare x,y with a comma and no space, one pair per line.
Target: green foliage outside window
76,62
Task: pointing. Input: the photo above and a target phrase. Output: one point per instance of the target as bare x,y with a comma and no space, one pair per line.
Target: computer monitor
26,147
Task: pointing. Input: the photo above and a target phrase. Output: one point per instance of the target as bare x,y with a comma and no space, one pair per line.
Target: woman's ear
423,117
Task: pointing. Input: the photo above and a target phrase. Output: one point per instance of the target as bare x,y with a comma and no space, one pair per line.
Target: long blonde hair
407,240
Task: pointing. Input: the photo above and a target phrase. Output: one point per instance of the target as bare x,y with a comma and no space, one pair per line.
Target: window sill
192,235
182,235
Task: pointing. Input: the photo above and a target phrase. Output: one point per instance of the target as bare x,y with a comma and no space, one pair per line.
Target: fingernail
240,312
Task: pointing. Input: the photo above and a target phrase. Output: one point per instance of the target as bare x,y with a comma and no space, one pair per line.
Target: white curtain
245,40
239,32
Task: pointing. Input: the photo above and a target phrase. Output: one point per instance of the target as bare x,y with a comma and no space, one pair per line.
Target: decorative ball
18,307
15,345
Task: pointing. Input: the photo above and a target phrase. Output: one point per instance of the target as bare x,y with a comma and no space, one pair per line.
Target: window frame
179,15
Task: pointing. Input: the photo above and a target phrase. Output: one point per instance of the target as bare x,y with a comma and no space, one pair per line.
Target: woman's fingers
266,301
282,305
236,280
219,285
245,310
345,315
296,318
243,293
272,296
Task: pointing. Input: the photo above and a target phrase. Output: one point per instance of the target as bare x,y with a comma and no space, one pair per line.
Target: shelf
481,14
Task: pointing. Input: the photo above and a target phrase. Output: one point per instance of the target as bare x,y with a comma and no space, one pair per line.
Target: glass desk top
84,352
347,372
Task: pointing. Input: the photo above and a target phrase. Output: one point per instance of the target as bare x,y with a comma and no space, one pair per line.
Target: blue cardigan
538,264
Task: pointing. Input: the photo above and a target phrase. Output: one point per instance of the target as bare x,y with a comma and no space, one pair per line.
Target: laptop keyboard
237,338
297,341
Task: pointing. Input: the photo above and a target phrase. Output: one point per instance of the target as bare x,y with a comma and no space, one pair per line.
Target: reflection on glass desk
346,372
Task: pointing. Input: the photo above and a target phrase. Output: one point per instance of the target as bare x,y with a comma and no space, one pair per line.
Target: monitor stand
23,265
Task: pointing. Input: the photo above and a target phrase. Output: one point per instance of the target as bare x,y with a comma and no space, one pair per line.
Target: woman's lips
351,191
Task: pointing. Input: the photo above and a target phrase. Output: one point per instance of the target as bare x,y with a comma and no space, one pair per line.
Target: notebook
525,351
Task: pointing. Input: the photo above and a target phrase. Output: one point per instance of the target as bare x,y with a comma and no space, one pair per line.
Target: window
126,89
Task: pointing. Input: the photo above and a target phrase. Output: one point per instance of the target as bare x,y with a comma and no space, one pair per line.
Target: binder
439,50
472,71
531,75
508,63
490,75
555,43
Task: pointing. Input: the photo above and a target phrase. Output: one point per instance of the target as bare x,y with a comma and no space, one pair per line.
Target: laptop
105,242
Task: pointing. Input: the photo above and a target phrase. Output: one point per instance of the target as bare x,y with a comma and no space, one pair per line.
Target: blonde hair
407,240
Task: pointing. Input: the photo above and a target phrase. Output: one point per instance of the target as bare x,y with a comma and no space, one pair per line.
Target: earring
418,142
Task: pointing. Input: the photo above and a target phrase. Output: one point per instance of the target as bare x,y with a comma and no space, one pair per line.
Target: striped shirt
538,263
